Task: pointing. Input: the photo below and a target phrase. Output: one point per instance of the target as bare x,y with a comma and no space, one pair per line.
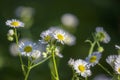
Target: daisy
69,20
111,59
60,36
94,58
81,67
102,35
117,68
70,39
46,36
14,23
26,48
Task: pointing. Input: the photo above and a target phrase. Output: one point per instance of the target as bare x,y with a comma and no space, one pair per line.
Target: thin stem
22,65
92,47
86,78
27,74
73,74
105,69
55,65
118,77
40,62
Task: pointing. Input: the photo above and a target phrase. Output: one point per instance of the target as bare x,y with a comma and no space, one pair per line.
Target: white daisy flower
35,54
70,39
117,68
69,20
94,58
26,48
111,59
46,36
102,35
81,67
14,23
60,36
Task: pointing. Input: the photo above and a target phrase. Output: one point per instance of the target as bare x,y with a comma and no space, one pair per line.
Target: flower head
70,39
14,23
26,48
117,68
69,20
94,58
46,36
111,59
102,35
81,67
60,36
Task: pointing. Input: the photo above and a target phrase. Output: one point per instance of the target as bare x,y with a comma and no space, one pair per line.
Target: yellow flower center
28,49
81,68
47,38
119,70
93,59
15,23
60,37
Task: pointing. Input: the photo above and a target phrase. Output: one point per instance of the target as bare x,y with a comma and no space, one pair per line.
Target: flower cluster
83,67
50,45
114,61
52,40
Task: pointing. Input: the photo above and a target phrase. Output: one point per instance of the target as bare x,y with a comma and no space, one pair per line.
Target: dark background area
91,13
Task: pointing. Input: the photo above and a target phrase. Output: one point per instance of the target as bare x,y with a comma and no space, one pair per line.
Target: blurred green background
90,13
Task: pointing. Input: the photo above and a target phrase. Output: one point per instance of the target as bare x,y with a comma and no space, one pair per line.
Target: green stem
40,62
22,65
105,69
92,47
86,78
27,74
55,66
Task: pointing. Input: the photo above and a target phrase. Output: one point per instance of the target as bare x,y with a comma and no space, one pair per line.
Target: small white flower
111,59
117,59
60,36
46,36
36,54
94,58
10,32
117,68
102,35
26,48
14,23
70,39
102,77
69,20
81,67
71,62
